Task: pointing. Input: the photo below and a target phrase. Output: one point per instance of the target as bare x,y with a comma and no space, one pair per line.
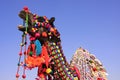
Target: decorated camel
44,50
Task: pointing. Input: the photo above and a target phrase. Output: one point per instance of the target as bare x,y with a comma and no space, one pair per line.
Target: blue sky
91,24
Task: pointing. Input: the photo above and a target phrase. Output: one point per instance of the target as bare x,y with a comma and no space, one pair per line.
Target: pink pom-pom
23,76
20,53
26,9
47,25
17,75
37,35
32,38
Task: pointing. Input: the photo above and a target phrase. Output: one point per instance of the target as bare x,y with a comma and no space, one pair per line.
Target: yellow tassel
48,70
75,78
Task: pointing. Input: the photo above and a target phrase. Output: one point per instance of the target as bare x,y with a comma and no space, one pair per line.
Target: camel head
39,27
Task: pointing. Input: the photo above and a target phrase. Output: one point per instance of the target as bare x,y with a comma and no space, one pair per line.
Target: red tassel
33,49
45,55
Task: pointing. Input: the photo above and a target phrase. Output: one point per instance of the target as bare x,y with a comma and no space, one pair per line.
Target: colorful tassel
45,55
38,47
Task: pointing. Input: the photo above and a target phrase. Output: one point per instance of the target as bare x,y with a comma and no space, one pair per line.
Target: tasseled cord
23,44
25,47
20,54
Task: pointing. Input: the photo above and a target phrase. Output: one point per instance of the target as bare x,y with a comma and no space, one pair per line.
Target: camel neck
61,65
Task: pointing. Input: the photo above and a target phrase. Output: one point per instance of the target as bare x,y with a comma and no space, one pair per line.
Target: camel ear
51,21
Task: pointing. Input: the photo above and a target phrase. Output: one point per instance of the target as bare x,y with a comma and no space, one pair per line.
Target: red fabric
45,55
